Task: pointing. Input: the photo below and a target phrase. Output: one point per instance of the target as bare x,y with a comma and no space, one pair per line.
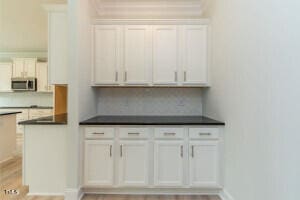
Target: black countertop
151,120
26,107
9,113
61,119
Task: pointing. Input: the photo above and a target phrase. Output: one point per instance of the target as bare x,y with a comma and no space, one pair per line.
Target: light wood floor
11,178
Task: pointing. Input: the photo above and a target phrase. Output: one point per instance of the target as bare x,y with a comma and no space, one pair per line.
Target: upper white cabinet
42,77
24,67
150,55
195,54
137,54
107,52
57,43
5,76
165,54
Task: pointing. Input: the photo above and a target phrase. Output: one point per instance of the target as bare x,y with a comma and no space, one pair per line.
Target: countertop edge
9,113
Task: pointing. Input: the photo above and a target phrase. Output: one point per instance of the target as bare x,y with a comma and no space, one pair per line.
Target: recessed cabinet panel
137,58
165,55
168,163
98,168
42,77
195,54
5,76
134,163
30,67
204,164
107,54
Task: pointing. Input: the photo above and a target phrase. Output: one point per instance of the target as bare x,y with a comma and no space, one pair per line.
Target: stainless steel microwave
24,84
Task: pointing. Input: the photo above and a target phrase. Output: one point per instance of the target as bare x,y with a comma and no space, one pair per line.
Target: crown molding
202,21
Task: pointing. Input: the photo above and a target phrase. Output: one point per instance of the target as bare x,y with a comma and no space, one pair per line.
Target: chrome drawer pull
98,133
169,134
133,133
110,150
181,151
204,134
121,150
192,151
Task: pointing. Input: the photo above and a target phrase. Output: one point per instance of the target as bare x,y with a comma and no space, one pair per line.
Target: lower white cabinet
168,163
152,157
133,163
204,163
99,163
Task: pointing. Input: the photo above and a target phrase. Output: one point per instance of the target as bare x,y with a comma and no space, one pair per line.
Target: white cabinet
106,54
42,77
165,54
195,56
24,67
204,163
137,54
168,163
133,163
5,76
99,163
57,44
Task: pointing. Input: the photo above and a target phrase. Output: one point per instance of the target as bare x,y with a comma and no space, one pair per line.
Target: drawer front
97,133
203,133
169,133
135,133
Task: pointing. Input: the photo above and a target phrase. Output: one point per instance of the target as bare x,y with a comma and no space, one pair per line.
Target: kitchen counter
151,120
9,113
26,107
61,119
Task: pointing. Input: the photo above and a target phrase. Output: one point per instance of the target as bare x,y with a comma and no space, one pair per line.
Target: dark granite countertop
9,113
61,119
26,107
151,120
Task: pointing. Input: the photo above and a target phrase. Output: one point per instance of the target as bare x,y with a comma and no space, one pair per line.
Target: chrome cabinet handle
110,151
184,76
204,134
169,134
121,150
125,76
98,133
133,133
192,151
176,77
181,151
116,78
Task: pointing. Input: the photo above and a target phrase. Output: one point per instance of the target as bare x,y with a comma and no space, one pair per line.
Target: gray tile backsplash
149,101
25,99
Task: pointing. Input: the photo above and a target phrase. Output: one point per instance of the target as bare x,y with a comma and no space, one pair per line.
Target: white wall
23,25
81,99
149,101
25,99
255,90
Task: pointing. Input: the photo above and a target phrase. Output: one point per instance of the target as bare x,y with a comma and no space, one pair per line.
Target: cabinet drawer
203,133
169,133
135,133
95,133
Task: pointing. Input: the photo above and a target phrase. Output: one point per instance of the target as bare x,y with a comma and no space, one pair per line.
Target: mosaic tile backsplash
149,101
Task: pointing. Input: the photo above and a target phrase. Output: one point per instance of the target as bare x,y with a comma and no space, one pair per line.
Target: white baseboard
224,195
73,194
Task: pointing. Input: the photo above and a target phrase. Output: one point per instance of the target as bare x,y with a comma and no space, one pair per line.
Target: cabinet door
165,55
195,54
204,162
5,76
42,77
134,160
107,54
57,48
30,67
98,164
168,163
18,67
137,55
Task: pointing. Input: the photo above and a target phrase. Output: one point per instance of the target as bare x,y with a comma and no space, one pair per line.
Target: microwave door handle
27,84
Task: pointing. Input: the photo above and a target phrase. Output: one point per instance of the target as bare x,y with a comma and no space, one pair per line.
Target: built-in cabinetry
150,55
57,43
27,114
5,76
24,67
152,157
42,77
